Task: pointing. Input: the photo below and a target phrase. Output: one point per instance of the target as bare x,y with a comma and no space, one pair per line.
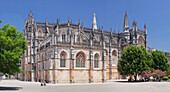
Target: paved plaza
112,86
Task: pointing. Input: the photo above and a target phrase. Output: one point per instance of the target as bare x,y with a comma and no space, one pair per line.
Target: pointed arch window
140,41
46,54
78,39
62,59
114,55
80,60
40,33
63,37
96,61
49,56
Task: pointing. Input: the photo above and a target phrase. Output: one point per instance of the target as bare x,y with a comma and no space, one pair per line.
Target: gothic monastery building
71,53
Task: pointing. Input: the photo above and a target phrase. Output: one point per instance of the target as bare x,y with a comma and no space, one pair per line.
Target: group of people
43,83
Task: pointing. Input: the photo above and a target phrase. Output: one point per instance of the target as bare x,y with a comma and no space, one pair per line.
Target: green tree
134,60
147,58
160,60
12,47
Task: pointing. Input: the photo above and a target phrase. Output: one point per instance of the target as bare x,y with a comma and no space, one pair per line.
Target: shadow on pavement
10,88
129,81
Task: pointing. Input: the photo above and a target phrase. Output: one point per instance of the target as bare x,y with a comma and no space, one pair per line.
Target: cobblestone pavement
111,86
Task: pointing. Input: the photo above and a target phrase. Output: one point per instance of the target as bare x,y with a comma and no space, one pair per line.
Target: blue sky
109,13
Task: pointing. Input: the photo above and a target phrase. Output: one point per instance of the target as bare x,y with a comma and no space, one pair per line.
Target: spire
94,22
71,22
35,24
25,21
79,22
145,28
114,31
31,15
82,24
30,18
46,21
102,34
118,31
111,30
126,24
46,24
134,23
57,21
68,20
102,28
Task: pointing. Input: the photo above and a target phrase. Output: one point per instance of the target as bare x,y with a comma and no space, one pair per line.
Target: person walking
41,83
44,83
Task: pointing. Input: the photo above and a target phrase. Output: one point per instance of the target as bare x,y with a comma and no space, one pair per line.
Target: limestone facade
71,53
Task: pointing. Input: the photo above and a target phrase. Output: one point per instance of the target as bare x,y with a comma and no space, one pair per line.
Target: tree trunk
159,79
135,77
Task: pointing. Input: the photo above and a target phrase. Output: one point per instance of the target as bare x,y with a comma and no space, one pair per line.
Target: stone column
44,56
110,61
56,61
72,66
91,66
104,63
91,59
71,56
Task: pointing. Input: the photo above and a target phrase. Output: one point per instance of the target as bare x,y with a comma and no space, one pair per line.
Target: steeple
57,21
35,25
46,21
114,32
71,22
25,22
145,30
144,26
68,20
46,26
134,23
94,22
110,30
126,24
31,14
134,26
82,24
102,28
30,18
79,22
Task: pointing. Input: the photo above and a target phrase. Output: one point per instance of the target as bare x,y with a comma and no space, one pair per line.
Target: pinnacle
94,22
126,24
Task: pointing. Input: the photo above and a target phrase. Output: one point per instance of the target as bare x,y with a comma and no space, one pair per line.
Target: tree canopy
12,47
160,60
134,60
